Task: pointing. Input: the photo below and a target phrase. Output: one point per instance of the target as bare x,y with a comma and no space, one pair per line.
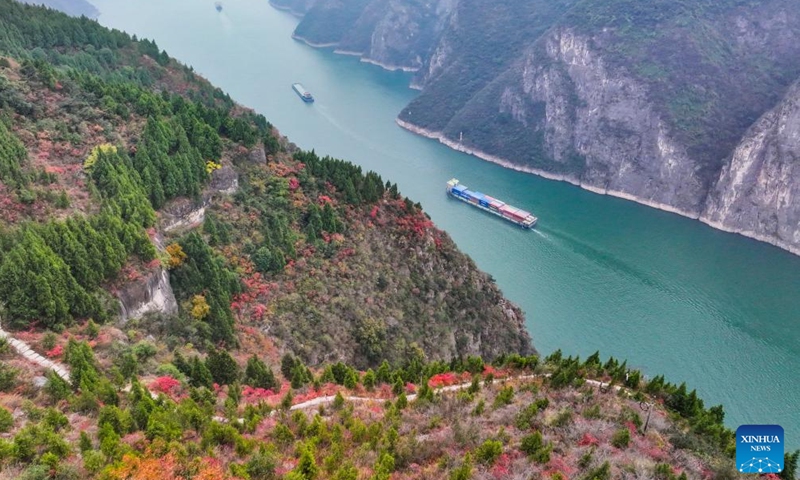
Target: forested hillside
323,327
644,100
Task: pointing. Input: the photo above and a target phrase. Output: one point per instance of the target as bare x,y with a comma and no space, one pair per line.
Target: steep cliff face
396,34
152,294
646,101
592,126
296,7
758,192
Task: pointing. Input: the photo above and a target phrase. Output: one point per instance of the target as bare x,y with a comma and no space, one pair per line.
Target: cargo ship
304,94
492,205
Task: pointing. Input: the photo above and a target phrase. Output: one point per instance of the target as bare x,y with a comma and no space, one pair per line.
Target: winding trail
63,371
451,388
27,352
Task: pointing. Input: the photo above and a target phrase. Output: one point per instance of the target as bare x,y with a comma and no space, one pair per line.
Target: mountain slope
121,168
643,101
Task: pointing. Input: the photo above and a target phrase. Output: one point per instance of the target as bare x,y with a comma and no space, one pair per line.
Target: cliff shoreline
286,9
312,44
600,191
351,53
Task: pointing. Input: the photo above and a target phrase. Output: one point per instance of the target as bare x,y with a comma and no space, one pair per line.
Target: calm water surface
669,294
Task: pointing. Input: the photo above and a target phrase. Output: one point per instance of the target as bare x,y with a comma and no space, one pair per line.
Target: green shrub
525,418
504,397
219,434
621,438
92,330
49,341
603,472
8,377
261,466
488,452
6,420
85,442
563,418
534,446
586,459
464,471
144,350
592,412
93,461
369,380
479,408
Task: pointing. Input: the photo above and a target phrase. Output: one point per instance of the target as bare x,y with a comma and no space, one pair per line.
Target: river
669,294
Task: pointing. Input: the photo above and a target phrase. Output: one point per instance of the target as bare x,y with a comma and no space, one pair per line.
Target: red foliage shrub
443,380
153,264
501,467
57,351
294,184
165,384
632,428
558,464
588,439
258,312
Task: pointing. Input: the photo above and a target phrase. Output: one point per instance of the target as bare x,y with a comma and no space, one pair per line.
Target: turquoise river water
669,294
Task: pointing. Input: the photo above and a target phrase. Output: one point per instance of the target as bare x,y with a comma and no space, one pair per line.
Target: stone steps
26,351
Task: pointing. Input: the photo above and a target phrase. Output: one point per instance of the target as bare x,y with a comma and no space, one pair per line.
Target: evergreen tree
223,367
258,374
287,365
200,374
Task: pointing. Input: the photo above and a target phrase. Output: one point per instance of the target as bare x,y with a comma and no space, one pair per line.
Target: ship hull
491,205
301,92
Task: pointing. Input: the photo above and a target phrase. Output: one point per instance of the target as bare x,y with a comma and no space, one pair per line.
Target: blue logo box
759,449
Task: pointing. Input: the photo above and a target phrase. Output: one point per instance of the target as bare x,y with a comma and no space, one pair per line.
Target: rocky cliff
396,34
758,191
656,103
151,294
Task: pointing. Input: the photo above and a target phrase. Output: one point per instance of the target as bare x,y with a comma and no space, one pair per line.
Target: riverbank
600,191
351,53
286,9
312,44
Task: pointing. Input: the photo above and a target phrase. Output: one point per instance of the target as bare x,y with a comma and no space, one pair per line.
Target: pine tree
287,365
258,374
223,367
200,374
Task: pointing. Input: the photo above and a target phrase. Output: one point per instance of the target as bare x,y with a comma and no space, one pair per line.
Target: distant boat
218,6
304,94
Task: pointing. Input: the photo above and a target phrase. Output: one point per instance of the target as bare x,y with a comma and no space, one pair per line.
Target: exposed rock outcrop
758,192
151,294
225,180
184,213
257,155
